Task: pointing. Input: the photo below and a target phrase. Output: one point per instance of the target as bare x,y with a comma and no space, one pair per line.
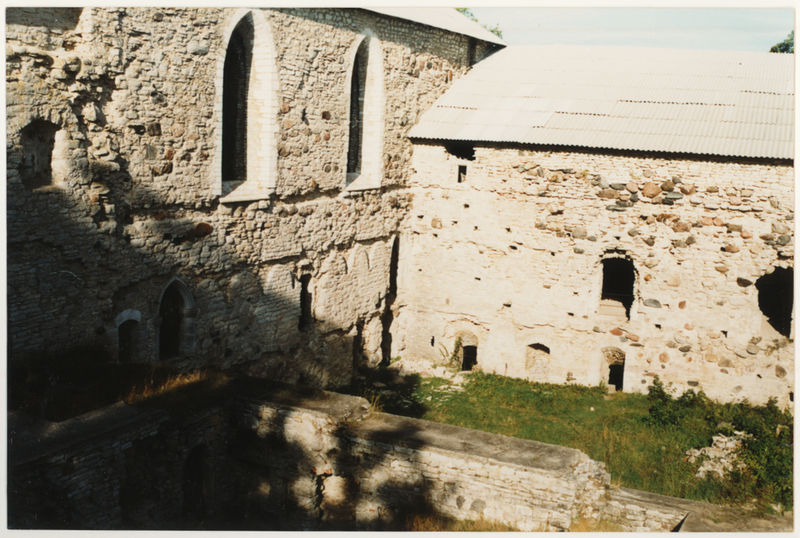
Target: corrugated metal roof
706,102
446,18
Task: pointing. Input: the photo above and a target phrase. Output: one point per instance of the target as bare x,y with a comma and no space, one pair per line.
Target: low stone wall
289,458
375,469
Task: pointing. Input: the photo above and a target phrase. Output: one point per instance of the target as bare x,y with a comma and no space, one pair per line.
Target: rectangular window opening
462,173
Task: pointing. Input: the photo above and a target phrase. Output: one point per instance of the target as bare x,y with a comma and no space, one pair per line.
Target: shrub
766,451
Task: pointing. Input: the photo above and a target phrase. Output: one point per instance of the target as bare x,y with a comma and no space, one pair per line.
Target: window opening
616,297
462,173
37,140
171,312
357,87
387,316
305,303
128,341
775,292
236,77
470,357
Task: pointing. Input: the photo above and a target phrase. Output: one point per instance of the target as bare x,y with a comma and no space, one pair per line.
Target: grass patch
641,438
438,523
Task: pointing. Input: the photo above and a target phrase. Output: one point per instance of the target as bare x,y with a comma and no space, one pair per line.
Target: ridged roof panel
704,102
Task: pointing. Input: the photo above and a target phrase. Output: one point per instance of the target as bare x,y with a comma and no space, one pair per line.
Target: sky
747,29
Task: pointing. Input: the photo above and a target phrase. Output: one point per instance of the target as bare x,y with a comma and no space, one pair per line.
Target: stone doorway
615,364
469,358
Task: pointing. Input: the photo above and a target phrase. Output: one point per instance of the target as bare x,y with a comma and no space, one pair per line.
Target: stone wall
261,457
119,467
511,260
134,200
255,456
377,469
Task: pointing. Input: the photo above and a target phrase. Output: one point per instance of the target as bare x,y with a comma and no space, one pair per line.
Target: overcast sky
699,28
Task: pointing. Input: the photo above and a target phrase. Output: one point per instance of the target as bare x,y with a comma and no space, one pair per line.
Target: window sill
249,191
362,182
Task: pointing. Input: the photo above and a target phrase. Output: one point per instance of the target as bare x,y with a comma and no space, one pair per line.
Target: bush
766,452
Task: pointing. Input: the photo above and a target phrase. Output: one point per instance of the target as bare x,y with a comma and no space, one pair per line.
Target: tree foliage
787,45
469,14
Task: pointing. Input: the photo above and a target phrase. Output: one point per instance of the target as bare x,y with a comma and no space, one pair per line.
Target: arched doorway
176,321
615,364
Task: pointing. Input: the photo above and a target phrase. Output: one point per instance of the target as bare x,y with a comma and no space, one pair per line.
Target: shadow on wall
58,18
75,269
343,479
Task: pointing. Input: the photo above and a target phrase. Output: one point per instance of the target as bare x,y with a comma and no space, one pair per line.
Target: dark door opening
615,374
171,328
775,292
470,357
618,280
128,341
305,303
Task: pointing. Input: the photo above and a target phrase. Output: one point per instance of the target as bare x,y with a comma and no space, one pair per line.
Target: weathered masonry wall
378,469
127,222
119,467
314,460
511,260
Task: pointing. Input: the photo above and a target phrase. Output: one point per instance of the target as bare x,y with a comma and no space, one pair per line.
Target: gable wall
513,256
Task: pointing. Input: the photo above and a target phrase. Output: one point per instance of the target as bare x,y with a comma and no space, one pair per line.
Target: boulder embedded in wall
780,228
607,193
681,226
651,190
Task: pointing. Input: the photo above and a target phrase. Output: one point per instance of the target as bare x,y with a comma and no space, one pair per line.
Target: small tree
470,15
787,45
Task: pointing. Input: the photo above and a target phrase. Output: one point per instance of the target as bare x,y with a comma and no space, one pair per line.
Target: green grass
639,451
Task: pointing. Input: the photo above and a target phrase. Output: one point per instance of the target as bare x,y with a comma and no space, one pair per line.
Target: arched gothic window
365,126
246,109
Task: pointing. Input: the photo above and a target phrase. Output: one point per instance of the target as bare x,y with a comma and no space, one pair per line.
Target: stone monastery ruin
294,194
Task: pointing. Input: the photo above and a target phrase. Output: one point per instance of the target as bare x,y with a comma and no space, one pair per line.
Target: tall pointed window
246,109
357,87
366,104
236,77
